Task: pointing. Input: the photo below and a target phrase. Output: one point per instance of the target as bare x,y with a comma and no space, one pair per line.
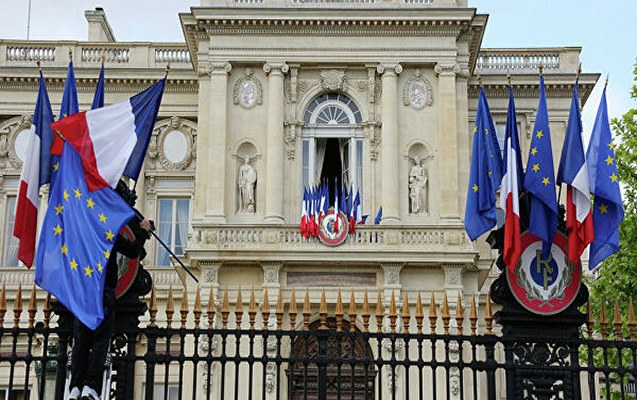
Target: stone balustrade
315,3
86,55
522,61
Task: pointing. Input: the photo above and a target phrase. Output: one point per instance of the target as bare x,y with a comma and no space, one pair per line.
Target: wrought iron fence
278,351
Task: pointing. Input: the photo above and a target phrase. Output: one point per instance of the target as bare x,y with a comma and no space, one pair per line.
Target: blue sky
606,30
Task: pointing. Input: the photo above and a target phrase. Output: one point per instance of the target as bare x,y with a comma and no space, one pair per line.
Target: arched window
332,143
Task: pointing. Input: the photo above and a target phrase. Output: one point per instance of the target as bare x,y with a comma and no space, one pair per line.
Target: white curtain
321,145
181,231
344,147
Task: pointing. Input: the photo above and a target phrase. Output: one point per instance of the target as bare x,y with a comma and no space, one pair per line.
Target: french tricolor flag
112,140
511,180
574,173
35,173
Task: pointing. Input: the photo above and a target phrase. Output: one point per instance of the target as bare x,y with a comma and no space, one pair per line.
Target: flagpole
152,232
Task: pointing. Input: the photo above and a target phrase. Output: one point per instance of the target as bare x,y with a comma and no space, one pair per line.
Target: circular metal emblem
331,233
544,286
127,268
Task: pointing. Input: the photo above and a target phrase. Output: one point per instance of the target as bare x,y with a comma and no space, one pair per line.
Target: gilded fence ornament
183,311
252,309
352,312
197,308
292,310
238,311
393,313
170,307
17,307
459,314
211,308
47,310
3,305
406,315
365,314
473,314
338,312
152,309
419,315
279,310
433,314
323,312
446,317
33,307
225,309
265,309
380,312
307,311
488,315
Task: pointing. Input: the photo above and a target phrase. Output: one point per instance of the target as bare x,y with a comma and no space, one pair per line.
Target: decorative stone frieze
9,131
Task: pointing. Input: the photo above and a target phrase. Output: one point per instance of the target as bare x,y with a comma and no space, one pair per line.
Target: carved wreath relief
417,92
248,91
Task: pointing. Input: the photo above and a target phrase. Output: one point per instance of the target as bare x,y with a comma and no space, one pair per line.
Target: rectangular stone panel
331,279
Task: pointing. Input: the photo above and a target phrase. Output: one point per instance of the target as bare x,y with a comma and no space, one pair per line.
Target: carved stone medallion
417,92
248,91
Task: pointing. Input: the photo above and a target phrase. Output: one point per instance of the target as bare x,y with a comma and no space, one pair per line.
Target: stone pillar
275,145
215,161
447,139
389,142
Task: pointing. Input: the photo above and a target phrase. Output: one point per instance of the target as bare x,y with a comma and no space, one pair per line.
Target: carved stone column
213,172
275,145
447,138
389,141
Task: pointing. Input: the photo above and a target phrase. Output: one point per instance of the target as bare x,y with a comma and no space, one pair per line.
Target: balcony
525,61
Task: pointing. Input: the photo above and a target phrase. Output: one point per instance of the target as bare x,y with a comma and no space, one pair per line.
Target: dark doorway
329,365
332,170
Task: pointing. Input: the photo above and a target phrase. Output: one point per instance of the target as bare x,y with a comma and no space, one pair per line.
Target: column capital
275,68
389,69
447,68
220,68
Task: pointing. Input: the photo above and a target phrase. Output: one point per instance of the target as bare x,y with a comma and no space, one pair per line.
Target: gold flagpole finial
541,68
509,77
103,56
70,54
480,79
167,70
39,64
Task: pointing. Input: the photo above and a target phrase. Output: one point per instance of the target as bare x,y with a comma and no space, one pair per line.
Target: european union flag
77,236
485,175
70,106
98,97
379,216
539,179
608,210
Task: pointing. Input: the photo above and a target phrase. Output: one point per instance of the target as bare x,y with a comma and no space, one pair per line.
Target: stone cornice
87,85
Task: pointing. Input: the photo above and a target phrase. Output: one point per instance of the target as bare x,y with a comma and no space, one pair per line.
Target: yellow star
102,218
99,267
534,151
66,195
65,250
57,230
475,129
539,134
78,194
88,271
546,181
107,254
90,203
611,145
475,187
73,265
56,166
609,160
613,177
603,208
536,167
58,209
486,131
110,235
490,173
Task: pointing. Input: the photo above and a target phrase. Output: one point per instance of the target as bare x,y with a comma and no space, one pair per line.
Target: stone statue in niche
247,182
418,187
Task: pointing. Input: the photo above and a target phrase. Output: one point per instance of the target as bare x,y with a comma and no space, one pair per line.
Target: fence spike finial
459,313
603,321
152,309
170,307
307,310
211,308
265,309
252,309
279,310
184,308
473,314
292,310
433,314
488,315
3,304
323,312
33,307
420,315
197,308
446,316
352,312
631,320
47,310
338,312
393,312
238,311
380,312
225,309
365,313
617,321
17,307
406,314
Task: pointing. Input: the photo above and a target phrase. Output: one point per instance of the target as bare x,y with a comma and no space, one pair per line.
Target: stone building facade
268,96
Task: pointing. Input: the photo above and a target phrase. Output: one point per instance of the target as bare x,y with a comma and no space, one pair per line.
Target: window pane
173,228
165,230
10,241
359,168
306,161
